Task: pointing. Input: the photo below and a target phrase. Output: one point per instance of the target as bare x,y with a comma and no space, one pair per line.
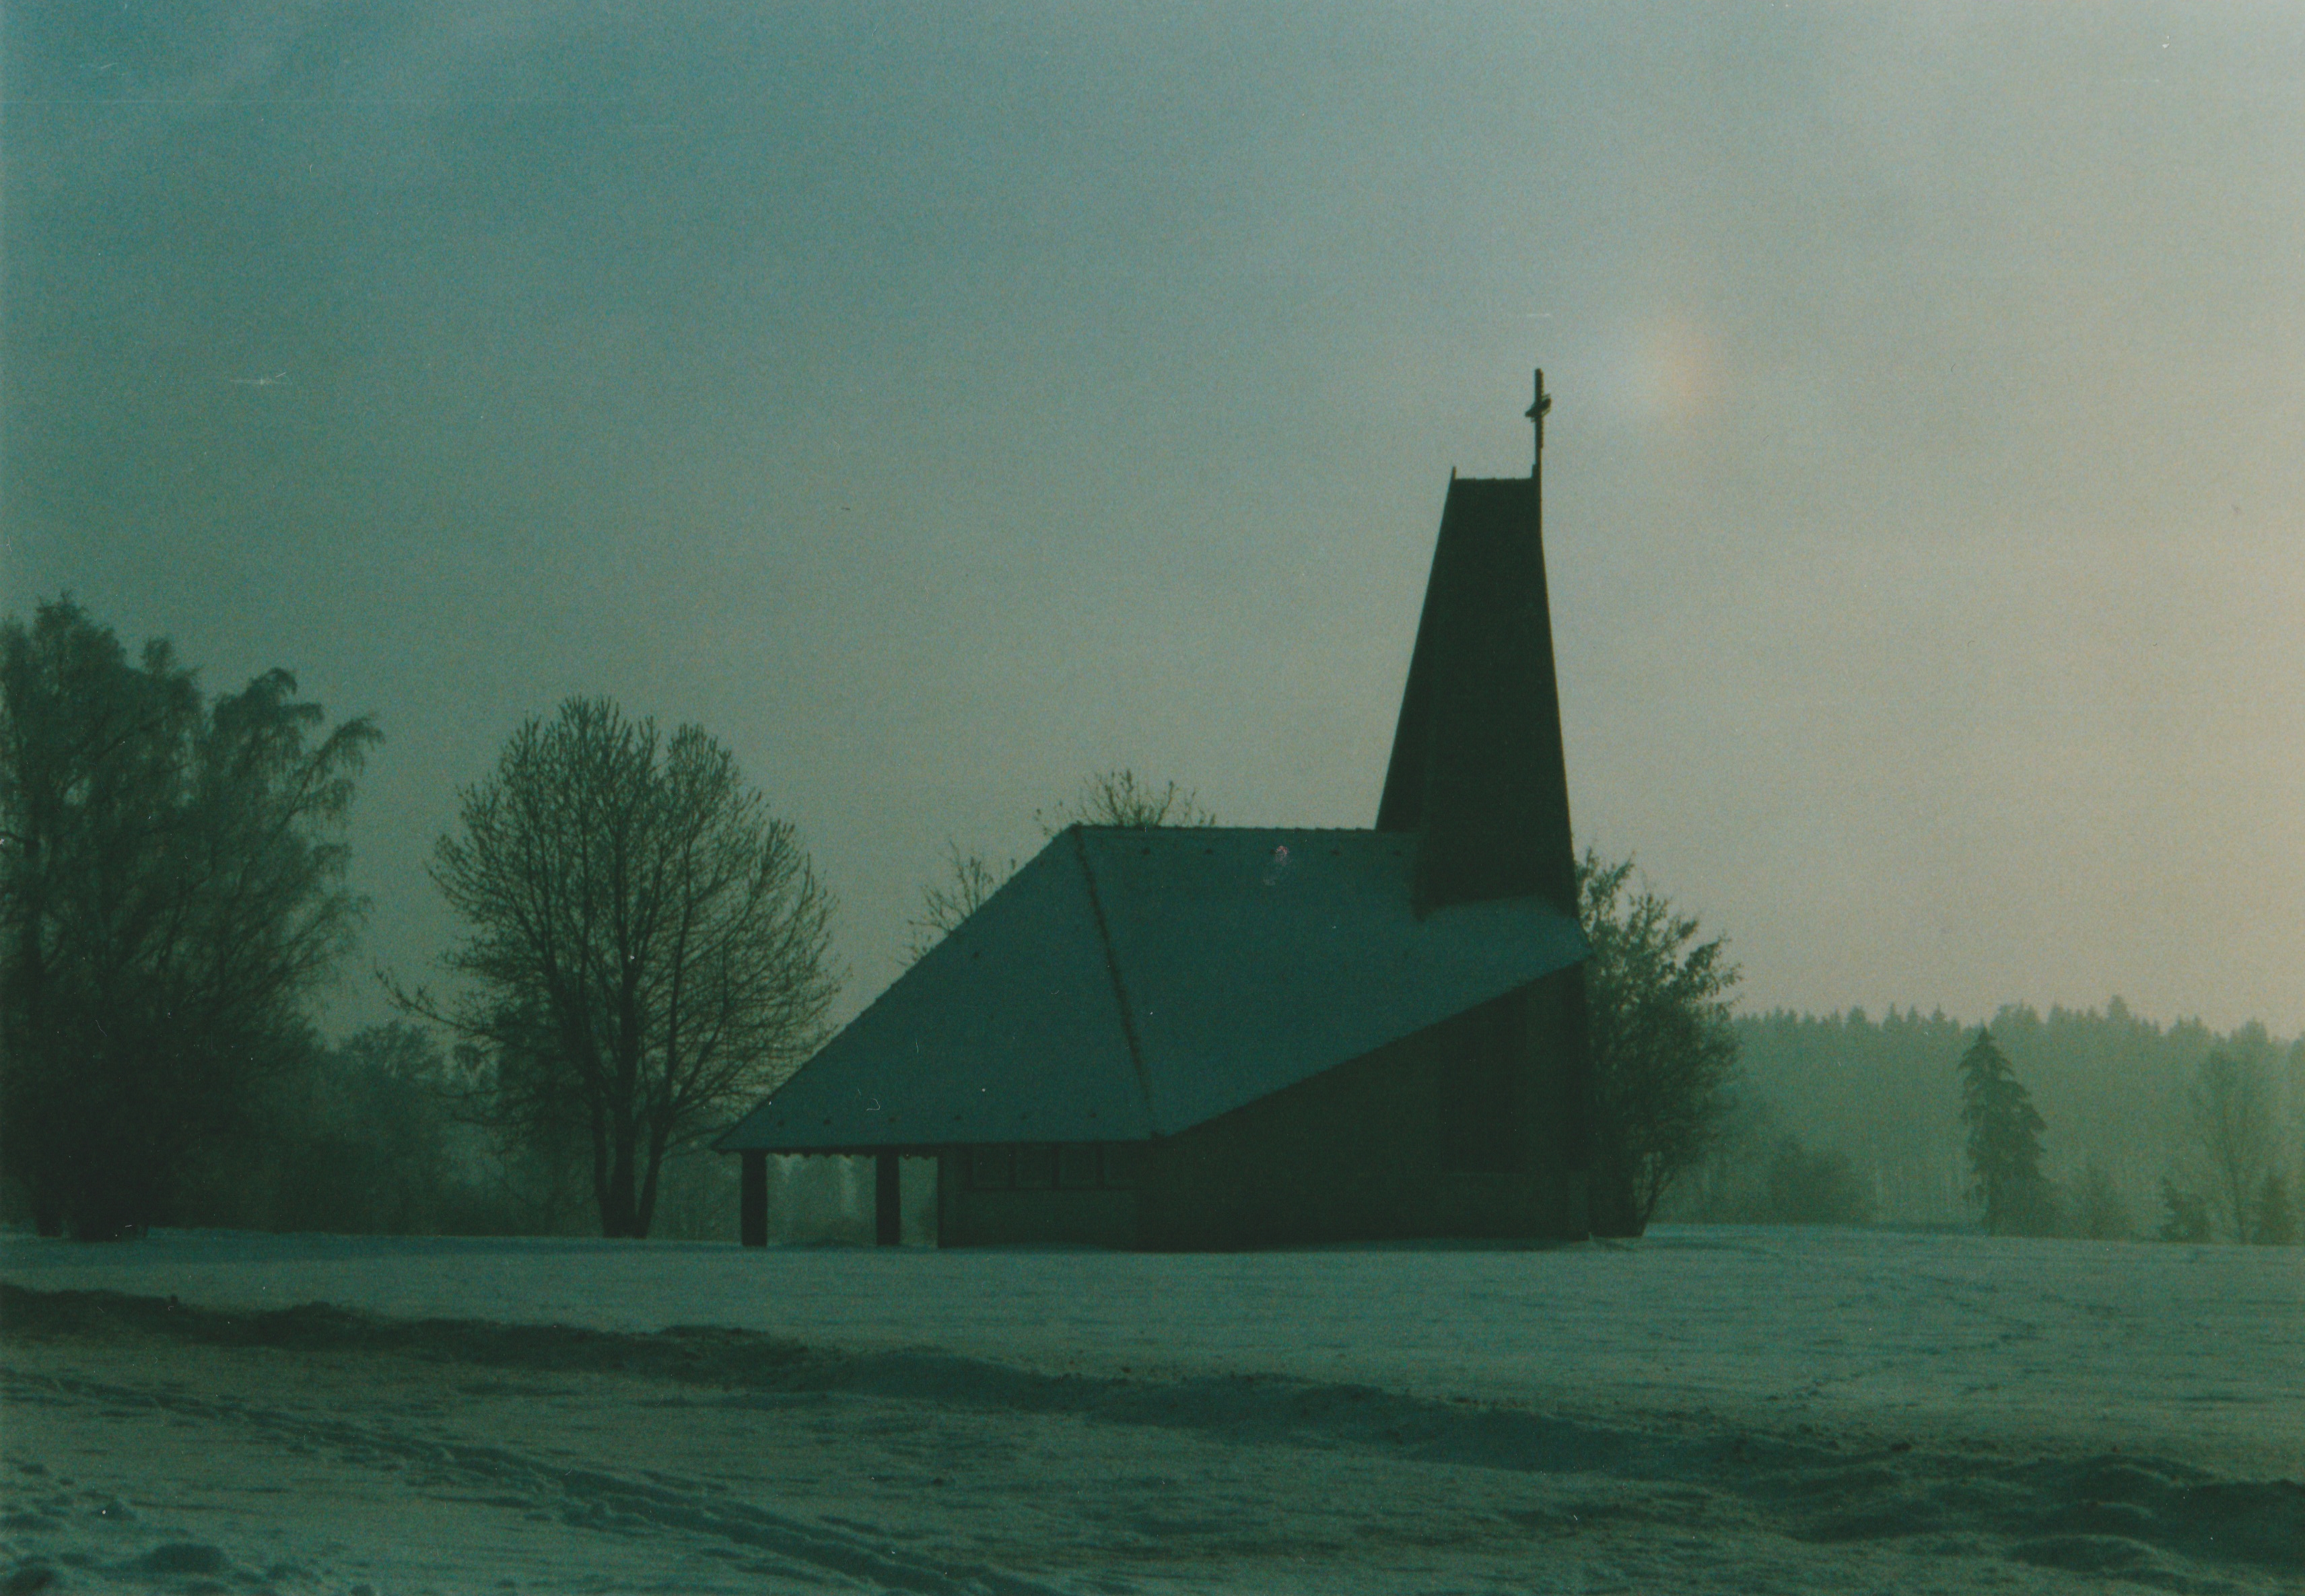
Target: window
1038,1167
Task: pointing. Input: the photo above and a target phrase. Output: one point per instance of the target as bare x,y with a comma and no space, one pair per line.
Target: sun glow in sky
941,404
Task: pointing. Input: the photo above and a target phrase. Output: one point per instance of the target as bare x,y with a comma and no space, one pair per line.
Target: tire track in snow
2102,1512
587,1498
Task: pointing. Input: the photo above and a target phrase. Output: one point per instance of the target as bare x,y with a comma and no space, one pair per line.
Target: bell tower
1478,770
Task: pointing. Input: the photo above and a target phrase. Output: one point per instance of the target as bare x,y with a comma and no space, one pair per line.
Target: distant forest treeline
1883,1093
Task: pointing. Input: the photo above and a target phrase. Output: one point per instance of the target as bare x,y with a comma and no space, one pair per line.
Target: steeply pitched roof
1477,769
1130,984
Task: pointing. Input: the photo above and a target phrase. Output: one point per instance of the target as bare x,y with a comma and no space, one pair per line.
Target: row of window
1041,1166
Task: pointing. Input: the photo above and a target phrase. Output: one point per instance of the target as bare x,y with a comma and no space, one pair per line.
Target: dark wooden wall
1469,1129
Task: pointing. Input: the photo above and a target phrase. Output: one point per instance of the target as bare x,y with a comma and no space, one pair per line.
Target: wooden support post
950,1163
887,1205
752,1201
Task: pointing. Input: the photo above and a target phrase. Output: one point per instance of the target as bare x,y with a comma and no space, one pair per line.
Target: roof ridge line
1112,968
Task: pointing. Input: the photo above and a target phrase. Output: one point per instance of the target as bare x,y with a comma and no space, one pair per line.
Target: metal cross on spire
1535,413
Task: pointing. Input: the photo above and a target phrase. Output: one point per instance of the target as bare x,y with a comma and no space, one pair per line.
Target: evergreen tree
2004,1143
2185,1217
2118,1088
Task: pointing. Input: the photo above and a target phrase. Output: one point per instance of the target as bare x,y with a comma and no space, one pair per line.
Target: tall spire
1535,413
1477,769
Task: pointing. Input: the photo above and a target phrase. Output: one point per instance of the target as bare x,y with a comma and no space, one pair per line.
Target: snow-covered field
1714,1409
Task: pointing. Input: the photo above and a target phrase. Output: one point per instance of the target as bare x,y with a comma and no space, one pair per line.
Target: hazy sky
939,404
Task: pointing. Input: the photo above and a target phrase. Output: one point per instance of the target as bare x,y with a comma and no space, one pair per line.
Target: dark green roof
1128,983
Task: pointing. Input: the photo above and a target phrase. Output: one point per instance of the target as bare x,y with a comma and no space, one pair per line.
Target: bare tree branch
1663,1052
647,948
1122,798
176,892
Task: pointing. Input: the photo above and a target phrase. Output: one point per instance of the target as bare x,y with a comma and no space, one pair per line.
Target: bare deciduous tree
968,881
1663,1052
1120,798
648,946
2229,1115
2099,1210
1108,798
